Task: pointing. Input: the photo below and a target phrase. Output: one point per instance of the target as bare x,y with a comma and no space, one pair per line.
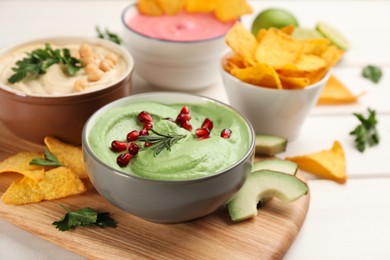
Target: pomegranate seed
145,117
184,110
200,132
183,117
226,133
132,136
118,146
133,148
123,159
169,119
207,123
204,137
186,125
147,144
143,132
148,126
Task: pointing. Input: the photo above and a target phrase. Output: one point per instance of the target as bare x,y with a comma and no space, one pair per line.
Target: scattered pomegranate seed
183,117
226,133
145,117
207,123
204,137
133,148
169,119
147,144
184,110
123,159
148,126
202,132
118,146
143,132
186,125
132,136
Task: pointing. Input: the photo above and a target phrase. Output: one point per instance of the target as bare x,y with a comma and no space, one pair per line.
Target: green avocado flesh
270,144
276,165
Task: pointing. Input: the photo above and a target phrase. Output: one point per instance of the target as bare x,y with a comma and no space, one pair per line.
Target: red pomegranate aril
133,148
132,136
145,117
118,146
143,132
226,133
148,126
186,125
183,117
147,144
204,137
184,110
123,159
207,123
200,132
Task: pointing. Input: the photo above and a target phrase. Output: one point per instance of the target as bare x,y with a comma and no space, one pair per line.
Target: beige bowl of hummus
37,88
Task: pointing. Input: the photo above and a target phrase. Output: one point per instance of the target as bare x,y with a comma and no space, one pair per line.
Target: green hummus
189,158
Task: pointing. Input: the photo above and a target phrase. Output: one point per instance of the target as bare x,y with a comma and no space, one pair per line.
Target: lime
333,35
306,33
273,17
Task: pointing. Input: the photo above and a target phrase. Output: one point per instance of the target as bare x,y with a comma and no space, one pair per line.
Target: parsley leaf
83,218
366,133
39,60
49,160
372,73
108,35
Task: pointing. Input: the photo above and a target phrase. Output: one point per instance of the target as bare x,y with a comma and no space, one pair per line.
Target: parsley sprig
39,60
160,141
366,133
108,35
84,217
372,73
49,160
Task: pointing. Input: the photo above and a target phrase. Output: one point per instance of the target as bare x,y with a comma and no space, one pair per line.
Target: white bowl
272,111
173,65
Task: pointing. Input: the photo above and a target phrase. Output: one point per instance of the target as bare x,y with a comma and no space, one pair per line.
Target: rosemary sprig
161,141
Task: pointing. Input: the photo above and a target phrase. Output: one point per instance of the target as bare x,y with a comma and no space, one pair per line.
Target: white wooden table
350,221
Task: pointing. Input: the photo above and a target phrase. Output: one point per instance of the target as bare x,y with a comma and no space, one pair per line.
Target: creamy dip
189,158
55,82
181,27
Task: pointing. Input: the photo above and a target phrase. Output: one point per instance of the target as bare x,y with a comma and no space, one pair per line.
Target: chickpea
85,50
90,59
90,67
95,75
105,65
80,85
112,57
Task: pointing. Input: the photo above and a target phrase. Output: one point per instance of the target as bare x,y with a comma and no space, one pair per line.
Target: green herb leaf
372,73
39,60
49,160
108,35
161,141
366,132
84,217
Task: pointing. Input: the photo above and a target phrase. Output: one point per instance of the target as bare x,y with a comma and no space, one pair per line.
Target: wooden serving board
267,236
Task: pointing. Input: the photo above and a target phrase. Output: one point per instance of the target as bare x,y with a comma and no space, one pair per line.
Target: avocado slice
262,185
270,144
277,165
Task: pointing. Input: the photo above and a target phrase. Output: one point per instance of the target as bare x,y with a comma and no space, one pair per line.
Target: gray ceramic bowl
34,116
165,201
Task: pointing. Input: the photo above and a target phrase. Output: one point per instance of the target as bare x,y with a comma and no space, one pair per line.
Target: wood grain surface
267,236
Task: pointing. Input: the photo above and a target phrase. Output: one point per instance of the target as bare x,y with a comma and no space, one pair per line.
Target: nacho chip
294,82
332,55
201,6
278,49
315,46
229,10
335,92
289,29
57,183
171,7
242,42
71,156
149,7
20,163
260,35
260,74
328,164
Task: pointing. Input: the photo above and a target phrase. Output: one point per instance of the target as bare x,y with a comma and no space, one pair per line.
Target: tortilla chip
335,92
229,10
260,35
315,46
149,7
171,7
20,163
71,156
242,42
332,55
278,49
260,74
57,183
294,82
328,164
201,6
289,29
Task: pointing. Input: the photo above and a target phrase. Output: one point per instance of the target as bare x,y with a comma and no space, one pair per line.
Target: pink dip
182,27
